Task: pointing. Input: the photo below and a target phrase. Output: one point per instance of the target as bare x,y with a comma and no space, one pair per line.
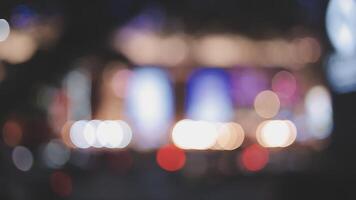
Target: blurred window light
170,158
341,25
78,86
254,158
56,154
267,104
276,133
341,73
150,106
218,50
319,113
145,47
208,96
227,50
18,48
4,30
22,158
140,46
195,135
151,46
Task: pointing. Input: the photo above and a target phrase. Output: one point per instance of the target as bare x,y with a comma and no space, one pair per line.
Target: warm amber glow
231,136
267,104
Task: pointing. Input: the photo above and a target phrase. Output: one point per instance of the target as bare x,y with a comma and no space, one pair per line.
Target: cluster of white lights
340,25
276,133
203,135
4,30
96,133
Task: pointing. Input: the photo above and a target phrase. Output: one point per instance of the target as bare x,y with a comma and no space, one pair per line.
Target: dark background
87,25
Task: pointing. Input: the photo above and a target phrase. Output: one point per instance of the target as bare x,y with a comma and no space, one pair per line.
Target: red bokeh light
12,133
254,158
61,183
170,158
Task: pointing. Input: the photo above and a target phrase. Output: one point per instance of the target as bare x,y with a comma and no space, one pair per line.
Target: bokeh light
341,73
276,133
247,84
12,133
97,143
203,135
82,135
150,107
23,16
267,104
120,81
307,50
198,135
61,183
254,158
110,91
217,50
145,46
4,30
142,41
22,158
170,158
230,136
57,107
18,48
110,134
208,96
78,87
127,134
97,133
319,113
284,84
55,154
340,25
